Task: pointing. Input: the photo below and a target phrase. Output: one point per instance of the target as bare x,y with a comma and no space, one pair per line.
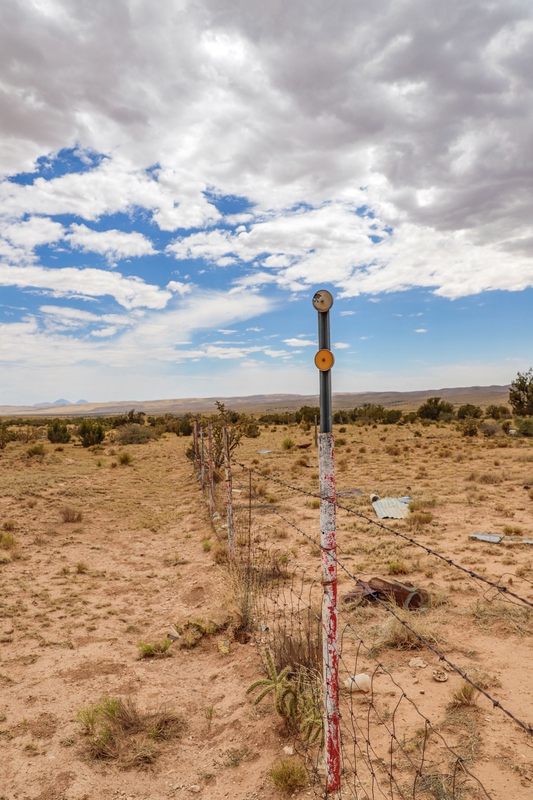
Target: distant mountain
256,404
62,402
81,402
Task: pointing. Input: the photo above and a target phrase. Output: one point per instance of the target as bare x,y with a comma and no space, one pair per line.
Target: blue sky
173,193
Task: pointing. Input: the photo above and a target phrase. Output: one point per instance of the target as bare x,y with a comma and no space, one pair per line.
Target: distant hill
261,403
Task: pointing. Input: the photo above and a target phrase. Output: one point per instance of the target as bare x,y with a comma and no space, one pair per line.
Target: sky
177,179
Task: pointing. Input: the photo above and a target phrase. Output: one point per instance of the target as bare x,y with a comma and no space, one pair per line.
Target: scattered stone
289,751
440,675
418,663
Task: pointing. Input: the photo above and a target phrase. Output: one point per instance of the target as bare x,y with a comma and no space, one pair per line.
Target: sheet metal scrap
391,507
496,538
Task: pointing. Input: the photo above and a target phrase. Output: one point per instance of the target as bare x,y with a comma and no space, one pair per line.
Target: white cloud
421,330
72,282
341,345
178,287
226,331
347,313
113,244
297,342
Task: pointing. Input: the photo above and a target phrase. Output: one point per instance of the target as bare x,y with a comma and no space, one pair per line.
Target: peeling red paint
328,543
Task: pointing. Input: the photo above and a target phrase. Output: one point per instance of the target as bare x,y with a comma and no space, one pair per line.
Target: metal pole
316,432
328,545
229,498
324,343
211,470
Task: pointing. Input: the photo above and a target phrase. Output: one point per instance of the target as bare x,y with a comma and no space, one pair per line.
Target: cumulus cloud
113,244
72,282
296,342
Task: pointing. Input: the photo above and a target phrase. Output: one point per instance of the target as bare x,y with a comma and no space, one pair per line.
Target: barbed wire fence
390,748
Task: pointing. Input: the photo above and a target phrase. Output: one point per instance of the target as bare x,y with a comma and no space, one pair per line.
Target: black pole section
324,343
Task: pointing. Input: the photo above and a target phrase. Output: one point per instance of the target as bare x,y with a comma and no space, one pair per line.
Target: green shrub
155,650
469,426
524,426
125,459
433,408
36,450
5,436
469,410
91,432
58,433
136,434
287,444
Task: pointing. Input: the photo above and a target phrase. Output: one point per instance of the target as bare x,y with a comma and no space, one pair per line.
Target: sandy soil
75,598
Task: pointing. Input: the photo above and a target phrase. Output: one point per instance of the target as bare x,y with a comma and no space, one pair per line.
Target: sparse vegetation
71,515
289,775
155,650
116,730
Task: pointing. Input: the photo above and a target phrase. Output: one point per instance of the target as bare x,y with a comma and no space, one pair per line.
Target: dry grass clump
70,515
288,775
398,568
392,633
465,695
155,650
510,618
288,443
116,730
419,519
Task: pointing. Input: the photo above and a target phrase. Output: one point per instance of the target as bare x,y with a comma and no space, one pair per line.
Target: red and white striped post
324,360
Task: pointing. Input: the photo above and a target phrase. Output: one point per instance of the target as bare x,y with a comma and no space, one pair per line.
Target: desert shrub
521,394
91,432
524,426
497,412
136,434
288,775
489,427
287,444
5,436
36,450
117,731
469,426
433,408
155,650
71,515
392,416
125,459
7,541
58,433
469,410
393,450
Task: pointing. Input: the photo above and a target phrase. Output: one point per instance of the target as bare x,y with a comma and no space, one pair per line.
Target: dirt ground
76,597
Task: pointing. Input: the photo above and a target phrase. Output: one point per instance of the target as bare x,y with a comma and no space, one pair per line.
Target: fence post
202,458
229,498
324,360
210,467
195,441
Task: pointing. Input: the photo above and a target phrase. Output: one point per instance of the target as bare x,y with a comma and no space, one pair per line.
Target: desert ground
99,555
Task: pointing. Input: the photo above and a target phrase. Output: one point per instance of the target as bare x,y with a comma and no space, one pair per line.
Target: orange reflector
324,360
